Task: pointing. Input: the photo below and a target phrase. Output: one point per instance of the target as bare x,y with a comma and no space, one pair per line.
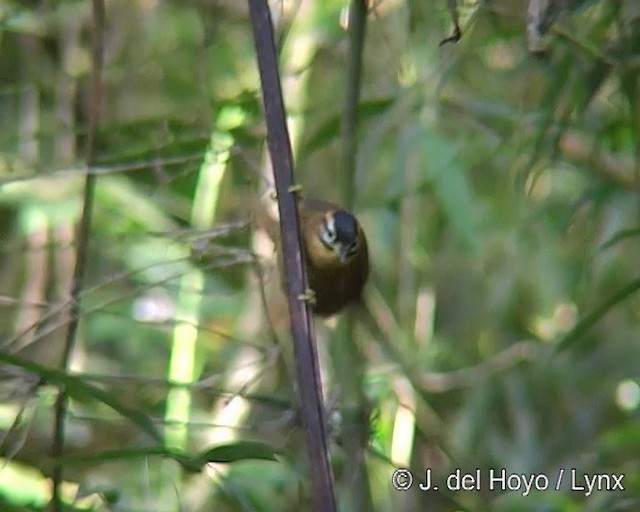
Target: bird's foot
308,296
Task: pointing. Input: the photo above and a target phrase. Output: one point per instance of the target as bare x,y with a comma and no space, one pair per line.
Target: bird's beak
343,252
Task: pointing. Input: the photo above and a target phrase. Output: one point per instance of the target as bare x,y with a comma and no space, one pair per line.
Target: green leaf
241,450
619,237
190,464
115,455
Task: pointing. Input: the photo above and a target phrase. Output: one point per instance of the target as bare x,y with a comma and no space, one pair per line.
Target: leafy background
498,190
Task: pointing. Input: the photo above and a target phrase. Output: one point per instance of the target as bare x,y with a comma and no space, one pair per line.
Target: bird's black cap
346,227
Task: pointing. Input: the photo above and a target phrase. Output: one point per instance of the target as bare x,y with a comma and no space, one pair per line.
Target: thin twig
60,409
47,325
357,30
613,167
508,358
102,170
345,353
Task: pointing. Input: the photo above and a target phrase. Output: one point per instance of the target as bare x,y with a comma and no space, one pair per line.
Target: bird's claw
296,188
308,296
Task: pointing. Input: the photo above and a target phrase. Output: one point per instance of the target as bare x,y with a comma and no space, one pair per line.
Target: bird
336,254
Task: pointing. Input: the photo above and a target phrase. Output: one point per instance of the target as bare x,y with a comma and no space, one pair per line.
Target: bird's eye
328,234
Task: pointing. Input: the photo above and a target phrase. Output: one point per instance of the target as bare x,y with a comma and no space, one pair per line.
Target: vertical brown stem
279,144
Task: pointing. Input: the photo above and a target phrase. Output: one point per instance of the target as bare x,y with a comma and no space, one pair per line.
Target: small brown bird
336,254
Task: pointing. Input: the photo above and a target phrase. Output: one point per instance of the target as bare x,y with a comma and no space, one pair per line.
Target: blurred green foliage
498,190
